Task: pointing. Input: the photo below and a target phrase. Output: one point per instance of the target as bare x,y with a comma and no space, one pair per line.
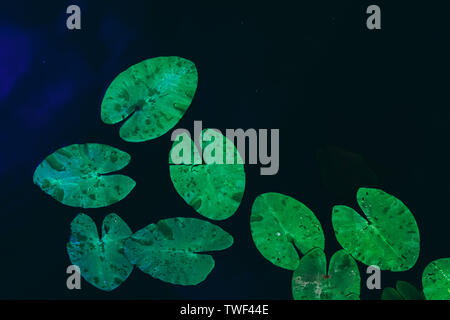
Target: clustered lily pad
279,224
79,175
311,281
210,185
389,238
152,96
172,250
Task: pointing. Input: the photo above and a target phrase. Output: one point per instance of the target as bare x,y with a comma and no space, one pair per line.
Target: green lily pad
436,280
213,187
280,223
154,94
171,250
101,261
76,175
389,238
312,282
404,291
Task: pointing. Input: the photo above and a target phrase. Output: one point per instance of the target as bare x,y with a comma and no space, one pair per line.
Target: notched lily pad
173,250
76,175
210,184
102,262
312,282
436,280
389,238
280,223
154,94
403,291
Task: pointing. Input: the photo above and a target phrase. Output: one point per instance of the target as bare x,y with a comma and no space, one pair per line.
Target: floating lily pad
312,282
101,261
76,175
280,223
171,250
436,280
404,291
154,94
210,184
389,238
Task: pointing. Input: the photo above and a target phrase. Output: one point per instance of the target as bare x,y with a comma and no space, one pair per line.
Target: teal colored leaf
101,261
279,224
174,250
436,280
403,291
389,238
210,184
152,96
311,281
79,175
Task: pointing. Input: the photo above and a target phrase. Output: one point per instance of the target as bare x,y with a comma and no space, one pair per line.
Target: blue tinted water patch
117,36
15,57
67,79
38,110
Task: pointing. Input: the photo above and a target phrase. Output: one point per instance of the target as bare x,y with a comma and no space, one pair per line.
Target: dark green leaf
404,291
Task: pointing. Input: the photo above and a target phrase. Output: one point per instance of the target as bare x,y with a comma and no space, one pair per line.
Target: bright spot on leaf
312,282
154,94
78,175
172,249
280,223
389,238
102,261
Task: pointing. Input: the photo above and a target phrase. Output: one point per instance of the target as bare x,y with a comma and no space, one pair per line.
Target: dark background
354,107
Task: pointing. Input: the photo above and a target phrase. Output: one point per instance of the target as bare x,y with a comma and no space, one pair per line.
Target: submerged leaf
170,250
155,92
389,238
280,223
343,172
312,282
436,280
76,175
212,187
101,261
404,291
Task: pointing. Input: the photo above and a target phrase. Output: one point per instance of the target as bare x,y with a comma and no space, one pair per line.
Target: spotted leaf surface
311,281
205,180
153,95
102,261
79,175
171,250
436,280
389,238
280,223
